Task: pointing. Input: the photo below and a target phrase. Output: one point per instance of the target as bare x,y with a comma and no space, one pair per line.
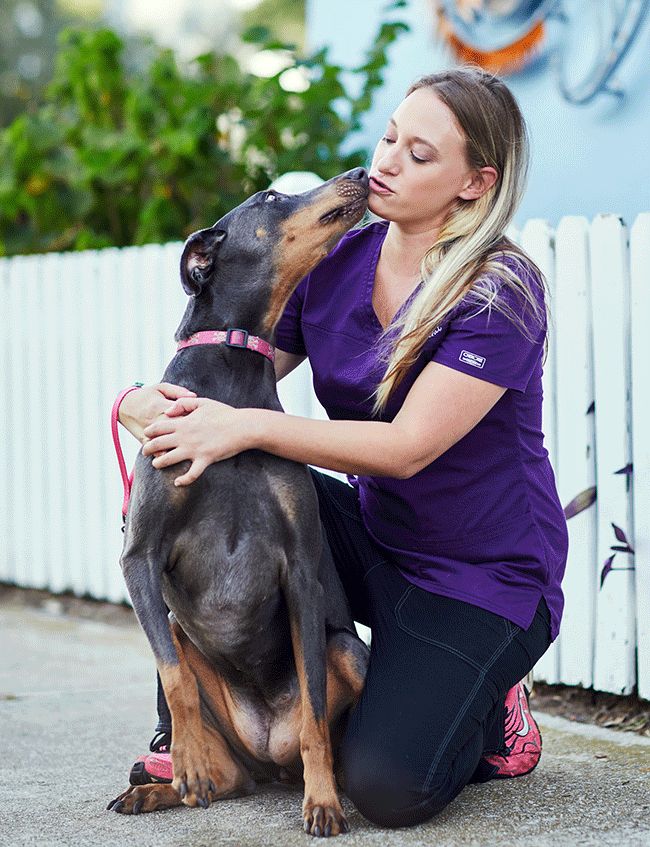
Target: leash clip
230,343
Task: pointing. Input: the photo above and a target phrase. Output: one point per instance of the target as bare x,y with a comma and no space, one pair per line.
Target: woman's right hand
140,408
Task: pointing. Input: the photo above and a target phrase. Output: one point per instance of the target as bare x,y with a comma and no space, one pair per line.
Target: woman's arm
442,406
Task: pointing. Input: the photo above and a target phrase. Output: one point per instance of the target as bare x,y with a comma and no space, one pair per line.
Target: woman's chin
377,206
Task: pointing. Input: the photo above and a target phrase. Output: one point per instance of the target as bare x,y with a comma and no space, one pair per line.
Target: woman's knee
386,793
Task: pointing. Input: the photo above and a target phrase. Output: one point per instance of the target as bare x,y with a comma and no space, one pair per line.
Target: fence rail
80,326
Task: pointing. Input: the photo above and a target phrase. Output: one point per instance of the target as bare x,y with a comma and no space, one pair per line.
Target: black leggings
433,701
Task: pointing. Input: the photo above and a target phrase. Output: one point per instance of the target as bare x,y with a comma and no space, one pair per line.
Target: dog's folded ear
199,257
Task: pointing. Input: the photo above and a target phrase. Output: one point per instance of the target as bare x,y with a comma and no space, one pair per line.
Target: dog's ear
199,257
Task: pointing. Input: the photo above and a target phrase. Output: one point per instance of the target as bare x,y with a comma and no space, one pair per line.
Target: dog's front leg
322,812
192,780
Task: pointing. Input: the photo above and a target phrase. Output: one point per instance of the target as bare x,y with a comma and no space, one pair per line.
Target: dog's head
245,267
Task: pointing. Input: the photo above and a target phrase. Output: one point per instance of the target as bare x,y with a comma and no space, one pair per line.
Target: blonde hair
471,246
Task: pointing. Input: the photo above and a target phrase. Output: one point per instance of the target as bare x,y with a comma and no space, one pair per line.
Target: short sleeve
485,343
288,331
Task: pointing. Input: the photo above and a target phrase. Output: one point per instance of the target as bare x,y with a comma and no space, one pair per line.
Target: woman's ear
481,181
199,258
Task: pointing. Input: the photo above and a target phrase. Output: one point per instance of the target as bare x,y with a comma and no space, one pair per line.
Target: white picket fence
80,326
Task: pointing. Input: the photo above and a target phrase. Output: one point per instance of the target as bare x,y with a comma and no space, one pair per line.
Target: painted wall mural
584,41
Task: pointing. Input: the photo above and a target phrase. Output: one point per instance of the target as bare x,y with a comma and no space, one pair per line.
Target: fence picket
610,299
16,443
53,413
6,470
640,350
537,239
576,448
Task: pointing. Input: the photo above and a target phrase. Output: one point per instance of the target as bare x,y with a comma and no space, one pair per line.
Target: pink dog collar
232,337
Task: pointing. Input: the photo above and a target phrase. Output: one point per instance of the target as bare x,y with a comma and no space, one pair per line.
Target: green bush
118,158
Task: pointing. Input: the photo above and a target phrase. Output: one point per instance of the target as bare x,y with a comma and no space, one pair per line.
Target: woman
426,332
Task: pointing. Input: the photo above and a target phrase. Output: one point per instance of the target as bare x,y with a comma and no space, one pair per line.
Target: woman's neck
403,250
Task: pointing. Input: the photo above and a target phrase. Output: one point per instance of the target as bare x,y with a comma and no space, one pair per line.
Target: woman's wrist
252,428
128,414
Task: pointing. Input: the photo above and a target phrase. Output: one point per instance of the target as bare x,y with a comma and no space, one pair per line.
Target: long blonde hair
471,246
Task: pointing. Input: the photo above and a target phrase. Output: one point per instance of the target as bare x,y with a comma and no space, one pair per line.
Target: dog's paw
192,780
324,820
145,798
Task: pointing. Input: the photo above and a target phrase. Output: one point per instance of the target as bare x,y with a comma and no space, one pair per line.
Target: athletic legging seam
371,569
425,638
479,681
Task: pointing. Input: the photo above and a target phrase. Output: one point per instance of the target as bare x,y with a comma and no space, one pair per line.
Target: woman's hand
198,429
139,408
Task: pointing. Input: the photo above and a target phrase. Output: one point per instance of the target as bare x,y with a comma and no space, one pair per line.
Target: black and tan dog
259,659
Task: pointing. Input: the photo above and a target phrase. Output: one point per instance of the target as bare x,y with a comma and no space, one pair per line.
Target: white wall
586,159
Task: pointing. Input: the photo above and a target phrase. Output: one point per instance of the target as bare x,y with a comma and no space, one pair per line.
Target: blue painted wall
585,159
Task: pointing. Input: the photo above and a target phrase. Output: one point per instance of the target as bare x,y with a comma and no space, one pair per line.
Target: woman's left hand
195,428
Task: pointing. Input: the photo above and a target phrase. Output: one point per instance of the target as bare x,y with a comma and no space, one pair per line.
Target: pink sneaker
523,740
156,766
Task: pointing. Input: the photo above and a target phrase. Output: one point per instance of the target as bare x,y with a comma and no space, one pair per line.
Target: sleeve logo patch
472,359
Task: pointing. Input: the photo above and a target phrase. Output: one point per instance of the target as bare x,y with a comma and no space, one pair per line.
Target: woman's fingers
183,406
161,426
196,469
173,392
171,457
160,444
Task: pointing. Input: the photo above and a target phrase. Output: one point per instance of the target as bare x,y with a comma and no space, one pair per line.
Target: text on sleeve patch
472,359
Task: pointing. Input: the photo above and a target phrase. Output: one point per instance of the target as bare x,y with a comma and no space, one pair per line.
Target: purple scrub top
483,522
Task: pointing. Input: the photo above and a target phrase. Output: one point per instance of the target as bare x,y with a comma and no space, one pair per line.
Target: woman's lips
378,188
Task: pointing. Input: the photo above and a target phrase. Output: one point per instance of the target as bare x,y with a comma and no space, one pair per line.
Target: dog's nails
212,787
202,801
328,829
110,805
306,826
182,790
118,806
137,806
317,831
345,826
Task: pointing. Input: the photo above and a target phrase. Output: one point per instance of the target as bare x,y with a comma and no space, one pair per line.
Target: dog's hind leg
229,776
347,665
142,573
322,812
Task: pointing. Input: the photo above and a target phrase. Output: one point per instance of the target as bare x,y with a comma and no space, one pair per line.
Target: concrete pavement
77,704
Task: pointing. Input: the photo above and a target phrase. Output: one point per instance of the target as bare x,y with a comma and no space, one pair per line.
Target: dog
259,658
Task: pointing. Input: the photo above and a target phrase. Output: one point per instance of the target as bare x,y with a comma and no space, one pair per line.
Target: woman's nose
388,162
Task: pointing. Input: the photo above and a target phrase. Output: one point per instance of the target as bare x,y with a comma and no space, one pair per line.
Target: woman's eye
388,140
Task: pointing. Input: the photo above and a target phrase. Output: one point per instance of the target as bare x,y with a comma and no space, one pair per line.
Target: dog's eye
270,198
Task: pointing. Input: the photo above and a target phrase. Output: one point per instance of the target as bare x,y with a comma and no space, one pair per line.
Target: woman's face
421,158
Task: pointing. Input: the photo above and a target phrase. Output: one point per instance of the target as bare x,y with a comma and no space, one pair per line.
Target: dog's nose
357,173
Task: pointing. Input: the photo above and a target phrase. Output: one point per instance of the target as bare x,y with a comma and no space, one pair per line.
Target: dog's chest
268,733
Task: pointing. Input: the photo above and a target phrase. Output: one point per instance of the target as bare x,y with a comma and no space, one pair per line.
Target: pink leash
232,337
127,479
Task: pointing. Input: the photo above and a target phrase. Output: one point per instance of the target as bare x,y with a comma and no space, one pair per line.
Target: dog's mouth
345,211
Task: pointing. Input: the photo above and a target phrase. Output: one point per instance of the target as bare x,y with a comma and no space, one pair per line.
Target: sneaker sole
140,776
